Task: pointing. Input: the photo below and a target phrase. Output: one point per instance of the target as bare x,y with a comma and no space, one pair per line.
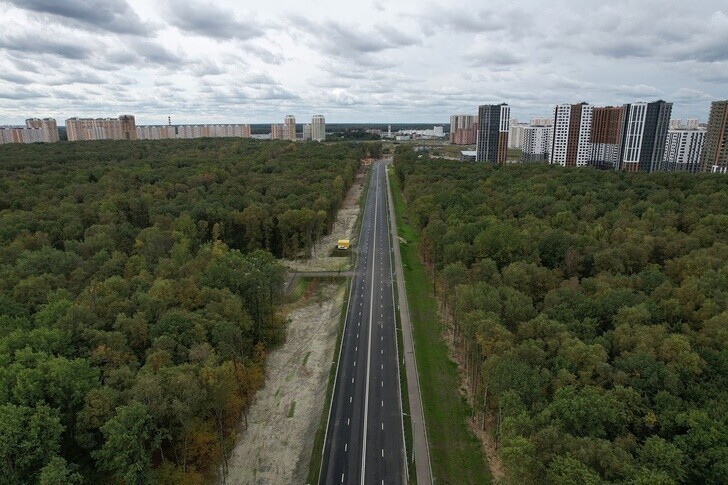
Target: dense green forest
590,310
139,293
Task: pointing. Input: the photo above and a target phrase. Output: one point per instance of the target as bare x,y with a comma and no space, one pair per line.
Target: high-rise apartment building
165,132
318,128
290,130
536,143
714,157
47,126
84,129
692,124
36,130
570,145
516,134
682,150
492,138
542,121
128,127
277,132
306,134
160,132
643,136
463,129
606,136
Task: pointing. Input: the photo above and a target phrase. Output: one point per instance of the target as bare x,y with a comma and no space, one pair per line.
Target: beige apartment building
85,129
36,130
714,157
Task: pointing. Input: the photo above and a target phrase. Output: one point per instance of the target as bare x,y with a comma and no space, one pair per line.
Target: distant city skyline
386,62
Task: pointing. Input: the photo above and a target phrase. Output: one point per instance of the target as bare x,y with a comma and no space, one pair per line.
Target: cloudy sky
409,60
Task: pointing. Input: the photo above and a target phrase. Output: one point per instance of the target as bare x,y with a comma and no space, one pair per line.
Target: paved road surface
364,438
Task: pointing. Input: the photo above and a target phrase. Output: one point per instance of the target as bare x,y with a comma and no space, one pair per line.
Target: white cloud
412,60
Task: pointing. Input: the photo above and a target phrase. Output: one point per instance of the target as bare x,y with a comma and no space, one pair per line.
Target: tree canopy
139,291
591,311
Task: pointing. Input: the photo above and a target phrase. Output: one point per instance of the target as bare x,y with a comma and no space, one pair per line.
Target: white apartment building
536,143
570,138
682,150
318,128
516,134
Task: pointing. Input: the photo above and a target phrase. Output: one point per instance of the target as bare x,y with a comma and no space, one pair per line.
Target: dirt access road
282,422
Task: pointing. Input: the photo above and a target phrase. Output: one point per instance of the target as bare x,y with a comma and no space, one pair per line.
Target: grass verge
406,420
455,454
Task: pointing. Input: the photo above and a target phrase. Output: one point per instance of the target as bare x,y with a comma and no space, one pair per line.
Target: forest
139,294
589,311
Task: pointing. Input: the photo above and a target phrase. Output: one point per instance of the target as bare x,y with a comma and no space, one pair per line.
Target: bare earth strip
276,447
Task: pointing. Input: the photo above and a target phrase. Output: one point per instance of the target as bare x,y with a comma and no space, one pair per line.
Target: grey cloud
275,93
265,55
688,95
621,48
259,79
208,20
33,44
343,40
110,15
155,53
494,56
636,91
20,94
16,78
207,68
468,20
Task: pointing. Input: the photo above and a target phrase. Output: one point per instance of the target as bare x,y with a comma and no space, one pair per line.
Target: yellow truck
342,244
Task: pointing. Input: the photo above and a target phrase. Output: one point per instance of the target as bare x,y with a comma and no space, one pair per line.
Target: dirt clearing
282,422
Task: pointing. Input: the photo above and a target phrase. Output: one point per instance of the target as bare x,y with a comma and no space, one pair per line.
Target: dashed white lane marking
382,366
356,349
352,380
346,446
350,398
342,478
348,421
382,383
381,351
382,403
382,452
382,426
354,363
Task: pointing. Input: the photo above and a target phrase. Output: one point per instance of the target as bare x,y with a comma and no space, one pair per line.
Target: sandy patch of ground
282,422
320,259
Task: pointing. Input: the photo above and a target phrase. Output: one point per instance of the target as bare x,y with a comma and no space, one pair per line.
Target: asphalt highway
364,433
